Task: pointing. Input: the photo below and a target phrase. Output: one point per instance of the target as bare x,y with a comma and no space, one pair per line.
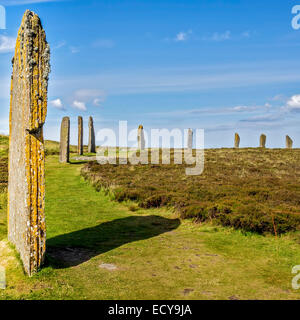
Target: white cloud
79,105
97,102
57,104
7,44
182,36
293,104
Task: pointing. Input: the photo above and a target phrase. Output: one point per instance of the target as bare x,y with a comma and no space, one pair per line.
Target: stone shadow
80,246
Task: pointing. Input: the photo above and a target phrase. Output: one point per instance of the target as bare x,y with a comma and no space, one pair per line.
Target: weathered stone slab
64,155
237,140
28,109
141,138
80,136
289,143
190,139
262,141
92,145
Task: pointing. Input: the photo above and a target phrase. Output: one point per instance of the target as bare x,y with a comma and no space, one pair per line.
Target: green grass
52,148
157,255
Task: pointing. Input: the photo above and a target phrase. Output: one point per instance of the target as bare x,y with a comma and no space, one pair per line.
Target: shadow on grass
80,246
74,162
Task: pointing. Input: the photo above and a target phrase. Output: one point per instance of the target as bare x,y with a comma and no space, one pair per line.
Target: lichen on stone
28,109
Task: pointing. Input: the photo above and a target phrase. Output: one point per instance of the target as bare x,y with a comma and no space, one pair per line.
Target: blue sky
224,66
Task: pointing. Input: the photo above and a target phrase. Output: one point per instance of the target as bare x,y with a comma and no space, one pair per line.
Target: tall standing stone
28,109
289,143
64,155
237,140
190,139
141,138
262,141
80,136
92,145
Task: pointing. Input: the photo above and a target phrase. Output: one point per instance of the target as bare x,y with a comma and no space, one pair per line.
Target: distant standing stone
237,140
190,139
80,136
289,142
64,140
263,140
92,145
141,138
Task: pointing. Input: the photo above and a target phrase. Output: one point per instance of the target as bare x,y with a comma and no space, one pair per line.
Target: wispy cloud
60,45
181,36
272,117
279,113
74,49
279,97
152,81
94,96
103,43
217,36
242,109
7,44
79,105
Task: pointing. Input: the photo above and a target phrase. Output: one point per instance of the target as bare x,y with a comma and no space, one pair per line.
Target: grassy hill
102,249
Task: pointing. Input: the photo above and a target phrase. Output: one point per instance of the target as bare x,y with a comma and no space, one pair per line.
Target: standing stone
237,140
289,143
28,109
80,136
190,139
141,138
262,141
92,145
64,155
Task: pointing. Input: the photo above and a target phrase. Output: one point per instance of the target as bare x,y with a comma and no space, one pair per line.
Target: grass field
250,189
101,249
